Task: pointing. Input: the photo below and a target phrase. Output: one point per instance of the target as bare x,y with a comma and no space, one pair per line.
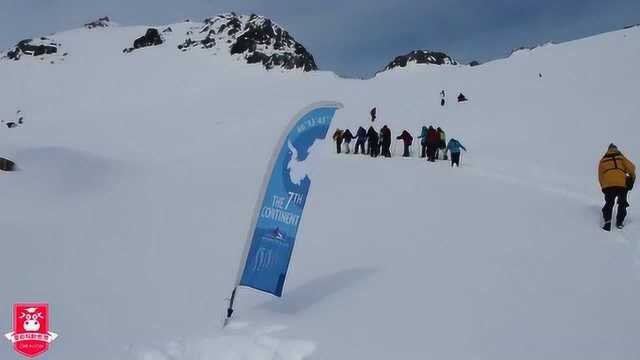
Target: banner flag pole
280,204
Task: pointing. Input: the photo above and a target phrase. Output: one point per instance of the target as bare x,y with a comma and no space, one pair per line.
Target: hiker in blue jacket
423,142
455,147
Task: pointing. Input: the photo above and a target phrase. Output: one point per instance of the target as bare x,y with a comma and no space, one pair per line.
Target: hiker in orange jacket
616,175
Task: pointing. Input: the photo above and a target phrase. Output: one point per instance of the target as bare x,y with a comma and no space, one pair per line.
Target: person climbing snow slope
385,141
432,143
455,147
616,175
361,137
337,137
423,142
407,140
347,136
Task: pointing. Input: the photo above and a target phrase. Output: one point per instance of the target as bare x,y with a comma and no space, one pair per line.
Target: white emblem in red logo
31,336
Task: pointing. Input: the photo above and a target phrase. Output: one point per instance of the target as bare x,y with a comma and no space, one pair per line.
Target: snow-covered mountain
138,173
253,38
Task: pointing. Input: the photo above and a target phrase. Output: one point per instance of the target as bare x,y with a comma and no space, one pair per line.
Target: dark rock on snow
7,165
255,38
421,57
100,23
150,38
41,46
207,43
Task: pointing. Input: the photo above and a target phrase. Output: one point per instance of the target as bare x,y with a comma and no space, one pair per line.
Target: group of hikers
616,173
433,143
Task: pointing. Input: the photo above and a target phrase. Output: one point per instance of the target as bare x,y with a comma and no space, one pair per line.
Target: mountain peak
255,38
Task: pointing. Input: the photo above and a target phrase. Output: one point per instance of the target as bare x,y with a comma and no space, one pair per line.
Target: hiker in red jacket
432,143
407,139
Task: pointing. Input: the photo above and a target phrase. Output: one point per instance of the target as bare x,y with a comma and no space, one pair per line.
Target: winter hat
613,146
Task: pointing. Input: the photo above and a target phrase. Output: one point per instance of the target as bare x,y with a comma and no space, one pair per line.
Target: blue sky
354,37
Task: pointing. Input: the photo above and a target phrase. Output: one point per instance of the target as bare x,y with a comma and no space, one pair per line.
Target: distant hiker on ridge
347,136
361,137
385,141
462,98
442,96
407,140
616,175
454,147
373,114
337,137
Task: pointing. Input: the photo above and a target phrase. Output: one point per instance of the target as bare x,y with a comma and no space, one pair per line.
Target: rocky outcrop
208,42
421,57
33,47
150,38
7,165
254,38
100,23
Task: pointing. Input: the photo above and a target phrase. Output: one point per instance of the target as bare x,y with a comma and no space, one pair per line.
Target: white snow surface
139,172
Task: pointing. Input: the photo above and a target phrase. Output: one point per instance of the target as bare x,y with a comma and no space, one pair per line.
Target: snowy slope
138,173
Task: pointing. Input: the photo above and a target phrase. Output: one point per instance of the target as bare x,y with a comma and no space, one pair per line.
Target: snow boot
619,225
607,226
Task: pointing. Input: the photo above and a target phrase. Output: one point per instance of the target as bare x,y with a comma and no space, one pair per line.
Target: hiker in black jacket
385,141
361,137
372,142
347,136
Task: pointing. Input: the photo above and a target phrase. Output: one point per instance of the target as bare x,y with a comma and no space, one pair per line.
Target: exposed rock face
33,47
208,42
100,23
421,57
151,38
255,38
